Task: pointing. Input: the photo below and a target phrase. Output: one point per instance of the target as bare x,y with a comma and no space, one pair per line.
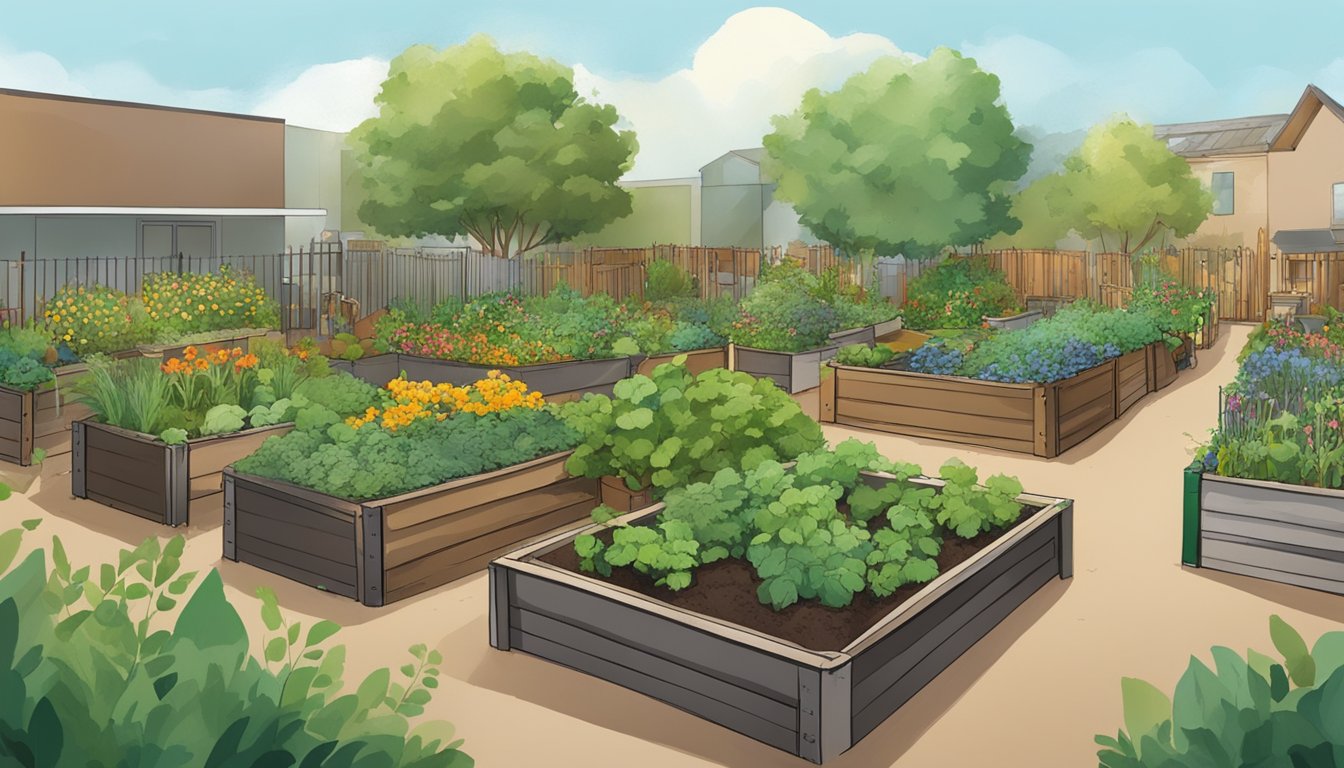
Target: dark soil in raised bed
727,590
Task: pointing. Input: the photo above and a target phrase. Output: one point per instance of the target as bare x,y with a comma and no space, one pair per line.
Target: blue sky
1063,64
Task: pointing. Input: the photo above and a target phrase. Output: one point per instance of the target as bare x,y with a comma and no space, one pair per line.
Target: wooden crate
1040,419
390,549
1292,534
697,361
814,704
136,473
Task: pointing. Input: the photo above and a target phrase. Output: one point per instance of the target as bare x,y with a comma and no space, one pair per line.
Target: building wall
17,236
733,215
76,237
662,212
730,170
313,179
255,235
781,226
63,151
1301,180
1250,203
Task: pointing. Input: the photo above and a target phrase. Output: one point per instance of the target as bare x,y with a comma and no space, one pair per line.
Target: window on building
1223,197
1338,218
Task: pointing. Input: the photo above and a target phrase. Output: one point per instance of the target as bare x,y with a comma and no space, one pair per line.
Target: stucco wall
313,179
732,216
661,213
1300,180
1250,206
59,151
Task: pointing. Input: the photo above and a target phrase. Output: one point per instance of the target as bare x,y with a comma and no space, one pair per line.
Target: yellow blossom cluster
415,400
194,302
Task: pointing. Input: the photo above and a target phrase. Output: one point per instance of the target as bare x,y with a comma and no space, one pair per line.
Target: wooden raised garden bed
386,550
241,337
135,473
814,703
1162,369
1040,419
558,382
697,361
1292,534
40,418
1015,322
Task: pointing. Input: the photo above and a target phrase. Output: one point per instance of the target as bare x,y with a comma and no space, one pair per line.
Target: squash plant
674,428
814,530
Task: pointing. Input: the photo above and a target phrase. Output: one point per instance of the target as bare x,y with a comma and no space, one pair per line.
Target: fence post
23,264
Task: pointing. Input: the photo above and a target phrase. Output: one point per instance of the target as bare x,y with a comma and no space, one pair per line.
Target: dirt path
1031,694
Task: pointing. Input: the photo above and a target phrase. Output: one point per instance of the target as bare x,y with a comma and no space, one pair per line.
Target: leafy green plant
1245,710
224,419
958,293
815,530
133,394
99,665
664,280
865,356
674,428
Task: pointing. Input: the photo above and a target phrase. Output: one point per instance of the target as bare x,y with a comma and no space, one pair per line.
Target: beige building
1278,185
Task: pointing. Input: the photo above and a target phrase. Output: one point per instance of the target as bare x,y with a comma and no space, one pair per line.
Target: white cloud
758,64
332,97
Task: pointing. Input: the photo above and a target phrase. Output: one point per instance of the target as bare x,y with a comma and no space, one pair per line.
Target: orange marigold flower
189,353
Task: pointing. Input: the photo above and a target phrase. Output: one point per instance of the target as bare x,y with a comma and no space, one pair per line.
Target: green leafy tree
499,146
903,158
1123,187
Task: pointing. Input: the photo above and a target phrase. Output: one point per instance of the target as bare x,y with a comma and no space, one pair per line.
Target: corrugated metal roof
1236,136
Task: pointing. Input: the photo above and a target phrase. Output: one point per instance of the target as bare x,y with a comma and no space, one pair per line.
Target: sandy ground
1032,693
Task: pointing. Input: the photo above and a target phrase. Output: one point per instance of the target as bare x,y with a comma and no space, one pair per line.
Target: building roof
133,105
752,155
1313,99
1309,240
1237,136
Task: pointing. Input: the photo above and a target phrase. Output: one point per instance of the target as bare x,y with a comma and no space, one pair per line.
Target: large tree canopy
1123,186
498,146
903,158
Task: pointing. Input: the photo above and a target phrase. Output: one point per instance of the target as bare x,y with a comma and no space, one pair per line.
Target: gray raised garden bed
389,549
566,380
814,704
1292,534
798,372
136,473
1015,322
697,361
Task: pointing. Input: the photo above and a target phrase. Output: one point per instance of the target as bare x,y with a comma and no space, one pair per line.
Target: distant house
87,178
1277,180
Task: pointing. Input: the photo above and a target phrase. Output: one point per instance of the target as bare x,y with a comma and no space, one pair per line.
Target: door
170,239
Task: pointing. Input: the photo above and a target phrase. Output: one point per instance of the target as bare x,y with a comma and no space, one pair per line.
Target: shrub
865,356
674,428
783,316
664,280
1173,308
90,675
95,319
1076,338
813,531
193,302
958,293
1245,710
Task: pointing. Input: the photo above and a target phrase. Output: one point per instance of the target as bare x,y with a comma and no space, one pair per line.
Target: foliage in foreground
1251,710
674,428
90,676
812,531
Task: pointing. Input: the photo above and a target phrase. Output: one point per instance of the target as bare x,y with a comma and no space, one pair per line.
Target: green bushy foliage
865,356
674,428
136,662
792,310
1252,710
958,293
331,457
816,530
664,280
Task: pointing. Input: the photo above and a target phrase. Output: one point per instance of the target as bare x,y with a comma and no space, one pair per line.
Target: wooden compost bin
40,418
797,372
558,382
1292,534
697,361
1040,419
389,549
136,473
241,337
814,704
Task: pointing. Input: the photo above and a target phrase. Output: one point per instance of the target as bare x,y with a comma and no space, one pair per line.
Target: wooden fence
1320,275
